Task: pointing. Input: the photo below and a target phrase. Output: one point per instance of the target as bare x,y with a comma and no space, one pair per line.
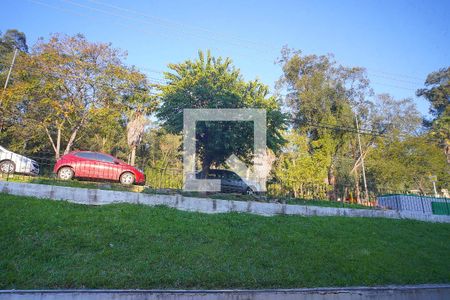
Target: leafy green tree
301,171
393,117
138,103
210,82
437,91
438,94
403,165
13,39
322,97
67,83
389,120
161,157
106,133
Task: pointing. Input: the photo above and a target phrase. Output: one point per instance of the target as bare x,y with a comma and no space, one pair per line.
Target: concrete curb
437,291
204,205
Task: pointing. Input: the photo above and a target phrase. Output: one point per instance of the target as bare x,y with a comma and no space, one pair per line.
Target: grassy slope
47,244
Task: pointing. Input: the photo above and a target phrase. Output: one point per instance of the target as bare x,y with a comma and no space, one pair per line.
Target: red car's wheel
65,173
127,178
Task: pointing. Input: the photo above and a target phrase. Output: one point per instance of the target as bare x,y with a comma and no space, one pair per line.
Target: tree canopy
437,92
67,83
210,82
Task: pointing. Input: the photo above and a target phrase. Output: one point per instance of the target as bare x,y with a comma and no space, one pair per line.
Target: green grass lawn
49,244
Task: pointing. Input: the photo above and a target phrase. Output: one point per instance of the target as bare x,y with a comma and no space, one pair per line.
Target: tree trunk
135,130
357,187
58,142
74,134
345,194
332,182
57,146
71,140
133,155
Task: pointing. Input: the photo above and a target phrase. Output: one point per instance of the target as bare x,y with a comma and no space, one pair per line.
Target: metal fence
87,171
106,172
415,203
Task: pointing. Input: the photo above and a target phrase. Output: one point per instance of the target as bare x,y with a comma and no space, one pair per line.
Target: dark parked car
94,165
230,182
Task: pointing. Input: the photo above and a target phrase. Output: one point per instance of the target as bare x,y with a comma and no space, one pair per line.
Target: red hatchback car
94,165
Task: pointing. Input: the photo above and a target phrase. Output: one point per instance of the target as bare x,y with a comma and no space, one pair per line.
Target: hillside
48,244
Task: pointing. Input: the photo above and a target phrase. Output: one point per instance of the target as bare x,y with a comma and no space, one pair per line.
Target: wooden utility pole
361,156
9,74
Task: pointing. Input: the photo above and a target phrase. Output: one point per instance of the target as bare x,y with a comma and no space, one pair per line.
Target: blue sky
399,42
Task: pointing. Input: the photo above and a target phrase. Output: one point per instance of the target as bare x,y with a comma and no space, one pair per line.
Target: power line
109,12
136,28
374,82
183,26
149,79
67,10
179,24
341,128
394,86
395,79
161,81
394,74
361,131
307,122
150,70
